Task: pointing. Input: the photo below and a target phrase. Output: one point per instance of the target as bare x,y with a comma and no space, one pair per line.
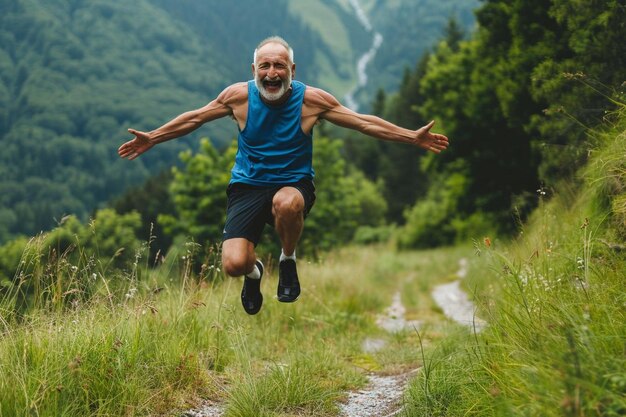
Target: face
273,71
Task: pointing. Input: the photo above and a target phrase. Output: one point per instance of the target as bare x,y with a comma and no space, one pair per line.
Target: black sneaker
288,284
251,296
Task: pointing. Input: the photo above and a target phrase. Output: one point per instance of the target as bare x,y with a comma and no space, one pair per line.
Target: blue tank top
272,148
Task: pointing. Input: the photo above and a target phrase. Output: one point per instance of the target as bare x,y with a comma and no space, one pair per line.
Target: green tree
579,77
150,200
396,166
489,95
453,34
345,200
199,194
378,107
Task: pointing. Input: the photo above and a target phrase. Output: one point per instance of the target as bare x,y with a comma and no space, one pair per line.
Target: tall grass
81,338
78,339
556,307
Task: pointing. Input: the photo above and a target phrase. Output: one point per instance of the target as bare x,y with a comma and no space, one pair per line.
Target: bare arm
183,124
325,106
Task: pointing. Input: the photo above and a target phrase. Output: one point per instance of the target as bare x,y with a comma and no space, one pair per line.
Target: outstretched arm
329,108
181,125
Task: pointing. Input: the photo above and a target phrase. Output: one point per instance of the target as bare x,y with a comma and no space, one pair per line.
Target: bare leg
288,211
238,257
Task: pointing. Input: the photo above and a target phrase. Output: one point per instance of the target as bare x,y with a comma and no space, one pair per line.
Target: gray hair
274,39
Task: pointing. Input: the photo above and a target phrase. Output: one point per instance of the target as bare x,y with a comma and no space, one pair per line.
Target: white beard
273,96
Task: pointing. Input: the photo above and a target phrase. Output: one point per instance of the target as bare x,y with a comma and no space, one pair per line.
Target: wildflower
487,242
131,293
585,223
581,262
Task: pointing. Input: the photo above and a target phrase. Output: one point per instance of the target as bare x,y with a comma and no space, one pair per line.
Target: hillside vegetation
94,340
74,75
516,98
129,314
554,300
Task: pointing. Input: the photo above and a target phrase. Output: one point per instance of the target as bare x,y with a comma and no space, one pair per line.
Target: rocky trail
383,394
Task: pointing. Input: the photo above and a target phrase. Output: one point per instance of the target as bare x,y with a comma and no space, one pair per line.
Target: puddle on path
455,303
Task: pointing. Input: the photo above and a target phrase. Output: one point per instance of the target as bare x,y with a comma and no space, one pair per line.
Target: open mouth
272,84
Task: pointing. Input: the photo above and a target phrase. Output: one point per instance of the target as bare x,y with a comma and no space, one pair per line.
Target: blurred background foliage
517,87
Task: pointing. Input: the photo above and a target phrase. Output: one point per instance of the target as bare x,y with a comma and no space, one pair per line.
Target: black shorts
250,208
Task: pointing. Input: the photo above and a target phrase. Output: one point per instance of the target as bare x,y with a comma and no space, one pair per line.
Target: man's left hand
433,142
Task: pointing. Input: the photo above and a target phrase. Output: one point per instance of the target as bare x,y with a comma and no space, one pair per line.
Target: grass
556,307
80,338
151,342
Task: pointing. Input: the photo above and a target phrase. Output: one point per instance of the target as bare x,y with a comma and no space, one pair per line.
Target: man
272,179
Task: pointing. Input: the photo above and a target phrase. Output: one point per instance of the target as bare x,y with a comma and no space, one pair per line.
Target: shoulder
234,94
318,98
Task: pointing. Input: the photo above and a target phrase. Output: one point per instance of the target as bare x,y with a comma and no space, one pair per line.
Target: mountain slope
75,74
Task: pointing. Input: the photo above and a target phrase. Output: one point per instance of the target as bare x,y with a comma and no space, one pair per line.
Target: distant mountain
408,29
74,74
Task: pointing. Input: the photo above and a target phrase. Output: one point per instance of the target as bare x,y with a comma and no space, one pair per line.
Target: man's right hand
135,147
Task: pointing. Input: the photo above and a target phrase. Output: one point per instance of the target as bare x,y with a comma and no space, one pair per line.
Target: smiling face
273,71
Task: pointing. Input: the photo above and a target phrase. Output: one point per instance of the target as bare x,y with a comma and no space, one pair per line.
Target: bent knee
236,265
288,204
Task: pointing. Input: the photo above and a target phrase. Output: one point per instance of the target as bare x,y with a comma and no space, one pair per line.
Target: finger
440,145
137,133
125,148
434,149
441,141
429,125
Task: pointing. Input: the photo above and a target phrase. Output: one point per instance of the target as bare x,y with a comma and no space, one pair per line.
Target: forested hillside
75,74
409,29
528,203
518,98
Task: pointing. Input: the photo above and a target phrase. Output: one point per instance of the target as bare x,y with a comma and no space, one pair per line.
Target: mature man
272,179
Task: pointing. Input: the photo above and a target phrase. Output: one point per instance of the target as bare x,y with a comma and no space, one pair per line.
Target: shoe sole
284,298
288,300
